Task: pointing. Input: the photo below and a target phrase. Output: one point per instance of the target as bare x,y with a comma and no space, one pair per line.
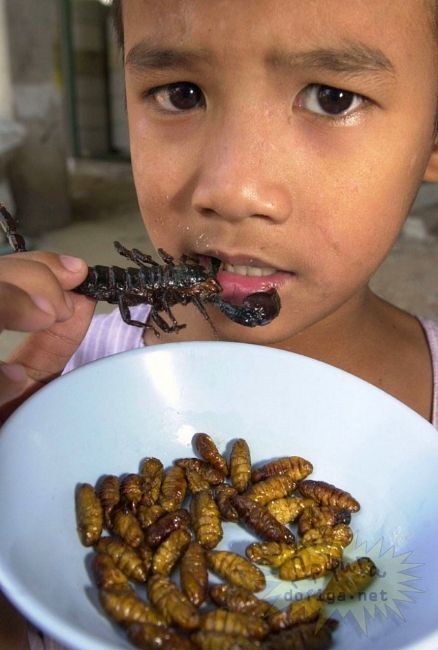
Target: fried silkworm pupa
172,604
322,516
350,580
165,525
173,489
106,574
168,553
327,494
221,641
146,555
151,637
270,553
126,526
240,465
271,488
125,607
340,534
311,562
131,492
238,599
89,514
194,574
124,557
221,620
299,611
108,490
223,494
195,481
147,515
287,509
206,519
236,569
261,521
306,636
294,466
208,451
152,472
206,471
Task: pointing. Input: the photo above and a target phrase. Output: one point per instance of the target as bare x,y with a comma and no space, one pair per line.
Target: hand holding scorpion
36,297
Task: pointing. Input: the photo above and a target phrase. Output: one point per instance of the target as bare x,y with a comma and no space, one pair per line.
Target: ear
431,173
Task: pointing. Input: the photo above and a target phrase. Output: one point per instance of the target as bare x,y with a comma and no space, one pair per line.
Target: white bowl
105,417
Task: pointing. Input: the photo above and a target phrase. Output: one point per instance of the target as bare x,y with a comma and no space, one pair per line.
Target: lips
242,276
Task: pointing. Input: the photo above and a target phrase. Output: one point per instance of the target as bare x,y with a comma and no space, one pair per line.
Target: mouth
244,275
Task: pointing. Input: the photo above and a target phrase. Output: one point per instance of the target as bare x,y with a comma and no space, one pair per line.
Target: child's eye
178,97
329,101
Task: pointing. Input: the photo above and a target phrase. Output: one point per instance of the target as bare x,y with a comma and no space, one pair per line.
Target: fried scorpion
161,286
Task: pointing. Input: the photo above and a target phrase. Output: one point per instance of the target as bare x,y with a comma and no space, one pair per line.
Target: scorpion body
161,286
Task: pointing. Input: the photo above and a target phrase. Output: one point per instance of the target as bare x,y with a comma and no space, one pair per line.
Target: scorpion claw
258,308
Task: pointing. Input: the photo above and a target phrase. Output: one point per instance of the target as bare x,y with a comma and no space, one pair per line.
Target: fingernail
13,371
43,304
73,264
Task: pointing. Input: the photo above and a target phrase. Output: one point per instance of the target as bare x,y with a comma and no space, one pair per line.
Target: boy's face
286,137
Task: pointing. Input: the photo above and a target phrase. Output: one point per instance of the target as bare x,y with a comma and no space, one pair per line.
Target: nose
240,177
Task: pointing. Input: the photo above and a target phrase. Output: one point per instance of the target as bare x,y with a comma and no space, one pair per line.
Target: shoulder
108,334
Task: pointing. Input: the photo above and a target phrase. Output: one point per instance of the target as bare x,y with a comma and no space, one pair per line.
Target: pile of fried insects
151,536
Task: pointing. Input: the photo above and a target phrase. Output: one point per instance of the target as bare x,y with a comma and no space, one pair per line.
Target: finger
24,313
68,270
44,354
13,381
45,277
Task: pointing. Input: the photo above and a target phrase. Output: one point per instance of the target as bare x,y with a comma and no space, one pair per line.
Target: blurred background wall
61,99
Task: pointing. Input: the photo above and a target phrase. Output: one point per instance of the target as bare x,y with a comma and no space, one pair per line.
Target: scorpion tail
9,225
258,308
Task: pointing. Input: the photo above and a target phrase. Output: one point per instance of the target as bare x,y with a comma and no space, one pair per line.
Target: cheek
356,226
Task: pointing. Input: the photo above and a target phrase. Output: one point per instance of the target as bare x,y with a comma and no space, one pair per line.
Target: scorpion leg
166,257
174,327
141,259
197,302
165,327
126,314
9,225
257,309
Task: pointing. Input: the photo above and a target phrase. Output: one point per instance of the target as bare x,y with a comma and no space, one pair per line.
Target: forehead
242,33
183,16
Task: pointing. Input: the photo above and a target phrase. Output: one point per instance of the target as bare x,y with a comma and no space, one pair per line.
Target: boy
286,138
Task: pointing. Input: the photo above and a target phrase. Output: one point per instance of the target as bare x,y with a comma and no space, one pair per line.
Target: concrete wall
90,63
38,173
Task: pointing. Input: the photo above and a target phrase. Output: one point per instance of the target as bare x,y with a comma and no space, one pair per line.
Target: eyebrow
146,57
353,58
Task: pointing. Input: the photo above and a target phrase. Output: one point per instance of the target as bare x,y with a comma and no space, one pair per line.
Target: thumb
44,354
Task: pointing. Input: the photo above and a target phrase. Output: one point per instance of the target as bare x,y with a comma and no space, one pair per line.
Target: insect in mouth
161,286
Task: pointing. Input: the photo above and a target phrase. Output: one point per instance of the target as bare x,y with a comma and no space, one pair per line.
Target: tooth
253,271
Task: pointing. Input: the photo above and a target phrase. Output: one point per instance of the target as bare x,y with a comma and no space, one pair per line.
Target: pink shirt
108,334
